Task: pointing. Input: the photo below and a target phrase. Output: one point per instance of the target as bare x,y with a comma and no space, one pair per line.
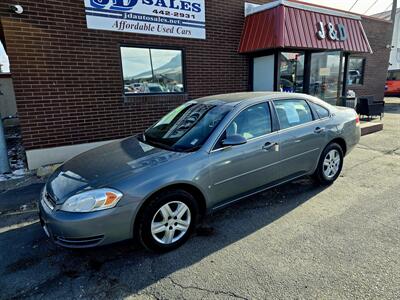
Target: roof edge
253,9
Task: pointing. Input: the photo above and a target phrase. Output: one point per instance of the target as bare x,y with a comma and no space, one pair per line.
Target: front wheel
330,164
168,220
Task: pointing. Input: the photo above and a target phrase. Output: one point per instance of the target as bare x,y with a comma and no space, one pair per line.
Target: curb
369,128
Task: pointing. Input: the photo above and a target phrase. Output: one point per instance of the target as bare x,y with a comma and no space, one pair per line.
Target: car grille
49,200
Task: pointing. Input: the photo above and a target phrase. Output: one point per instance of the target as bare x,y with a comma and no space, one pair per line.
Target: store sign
175,18
333,32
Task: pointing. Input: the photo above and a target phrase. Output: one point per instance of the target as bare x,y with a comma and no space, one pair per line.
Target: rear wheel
168,220
330,164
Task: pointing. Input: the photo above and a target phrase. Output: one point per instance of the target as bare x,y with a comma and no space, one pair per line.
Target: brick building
77,87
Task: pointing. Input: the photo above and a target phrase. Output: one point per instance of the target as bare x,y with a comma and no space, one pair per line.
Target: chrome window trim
271,100
300,125
304,124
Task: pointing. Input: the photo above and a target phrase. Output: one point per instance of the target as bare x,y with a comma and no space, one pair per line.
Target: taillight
357,120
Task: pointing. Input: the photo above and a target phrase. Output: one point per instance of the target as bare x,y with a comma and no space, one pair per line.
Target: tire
156,223
329,167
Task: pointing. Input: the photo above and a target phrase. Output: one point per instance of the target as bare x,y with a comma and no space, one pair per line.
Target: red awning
287,24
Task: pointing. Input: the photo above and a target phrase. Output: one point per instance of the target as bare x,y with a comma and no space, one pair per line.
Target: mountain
171,69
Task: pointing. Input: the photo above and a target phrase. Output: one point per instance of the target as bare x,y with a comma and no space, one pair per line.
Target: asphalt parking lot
298,241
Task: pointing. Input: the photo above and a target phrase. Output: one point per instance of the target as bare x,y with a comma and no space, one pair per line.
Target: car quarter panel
347,129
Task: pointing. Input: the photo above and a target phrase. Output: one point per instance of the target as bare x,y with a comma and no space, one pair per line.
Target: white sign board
324,71
175,18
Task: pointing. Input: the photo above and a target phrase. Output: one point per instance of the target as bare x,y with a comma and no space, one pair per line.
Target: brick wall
376,66
68,83
68,78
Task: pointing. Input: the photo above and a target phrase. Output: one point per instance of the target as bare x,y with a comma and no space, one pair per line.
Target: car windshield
187,127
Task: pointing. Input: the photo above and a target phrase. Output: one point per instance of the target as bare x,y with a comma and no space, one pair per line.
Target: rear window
321,111
292,112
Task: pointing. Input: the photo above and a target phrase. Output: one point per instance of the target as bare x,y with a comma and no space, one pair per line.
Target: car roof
236,98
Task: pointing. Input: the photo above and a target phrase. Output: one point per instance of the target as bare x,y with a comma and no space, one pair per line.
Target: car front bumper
84,230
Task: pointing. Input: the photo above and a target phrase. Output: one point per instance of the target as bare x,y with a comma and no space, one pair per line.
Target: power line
376,1
354,4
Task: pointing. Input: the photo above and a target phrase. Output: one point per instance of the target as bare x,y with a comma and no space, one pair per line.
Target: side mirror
234,140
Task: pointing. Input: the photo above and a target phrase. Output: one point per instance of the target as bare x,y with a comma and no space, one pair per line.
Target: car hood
106,164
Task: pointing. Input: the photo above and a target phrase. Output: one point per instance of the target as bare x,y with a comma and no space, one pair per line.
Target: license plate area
46,231
43,223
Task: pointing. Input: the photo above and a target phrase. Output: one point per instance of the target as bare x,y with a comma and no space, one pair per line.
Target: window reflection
292,113
253,122
324,77
148,70
355,74
4,62
291,72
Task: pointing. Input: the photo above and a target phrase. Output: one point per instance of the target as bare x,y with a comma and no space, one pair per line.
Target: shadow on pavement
33,267
14,198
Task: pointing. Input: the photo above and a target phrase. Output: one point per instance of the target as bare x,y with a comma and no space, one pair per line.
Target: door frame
241,108
307,67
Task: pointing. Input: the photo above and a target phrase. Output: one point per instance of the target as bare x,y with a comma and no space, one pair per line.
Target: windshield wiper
183,149
145,139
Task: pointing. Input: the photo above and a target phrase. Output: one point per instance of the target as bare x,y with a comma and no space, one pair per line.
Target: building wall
379,35
68,81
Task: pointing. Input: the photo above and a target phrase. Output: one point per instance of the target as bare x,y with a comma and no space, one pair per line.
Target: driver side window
252,122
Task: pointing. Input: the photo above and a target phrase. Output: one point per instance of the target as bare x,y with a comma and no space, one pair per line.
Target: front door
241,169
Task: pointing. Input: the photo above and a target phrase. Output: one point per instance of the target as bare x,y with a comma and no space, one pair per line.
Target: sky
361,7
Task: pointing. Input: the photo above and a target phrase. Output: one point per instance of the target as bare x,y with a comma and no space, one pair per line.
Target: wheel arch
341,142
190,188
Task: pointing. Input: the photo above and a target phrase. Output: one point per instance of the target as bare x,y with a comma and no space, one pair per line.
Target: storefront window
4,63
324,78
291,72
394,75
151,71
355,74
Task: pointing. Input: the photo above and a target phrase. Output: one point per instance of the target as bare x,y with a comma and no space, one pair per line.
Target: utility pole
4,163
394,11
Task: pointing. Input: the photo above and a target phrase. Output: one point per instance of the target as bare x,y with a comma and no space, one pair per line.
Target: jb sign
332,32
176,18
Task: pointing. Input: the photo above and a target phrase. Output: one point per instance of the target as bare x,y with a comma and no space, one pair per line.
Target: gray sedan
200,157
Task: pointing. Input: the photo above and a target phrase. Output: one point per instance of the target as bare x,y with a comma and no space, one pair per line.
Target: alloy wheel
331,163
171,222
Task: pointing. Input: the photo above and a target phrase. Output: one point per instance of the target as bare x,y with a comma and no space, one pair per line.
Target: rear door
302,137
241,169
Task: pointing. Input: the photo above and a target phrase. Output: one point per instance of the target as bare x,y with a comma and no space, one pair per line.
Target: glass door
291,72
325,75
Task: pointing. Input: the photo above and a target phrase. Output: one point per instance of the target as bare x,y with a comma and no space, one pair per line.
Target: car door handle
319,130
268,146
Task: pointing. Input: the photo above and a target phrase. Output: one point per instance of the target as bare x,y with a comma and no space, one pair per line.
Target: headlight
92,200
